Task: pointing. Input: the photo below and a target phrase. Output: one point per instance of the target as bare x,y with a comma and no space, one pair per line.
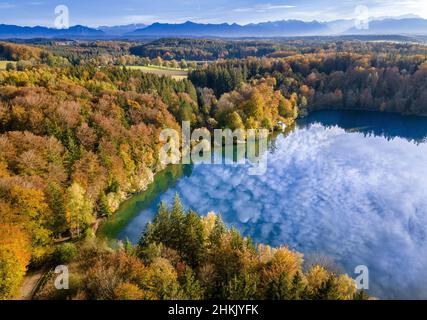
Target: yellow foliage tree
31,207
316,278
15,254
78,209
129,291
283,261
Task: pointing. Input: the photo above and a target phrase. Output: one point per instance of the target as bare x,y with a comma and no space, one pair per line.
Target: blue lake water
351,186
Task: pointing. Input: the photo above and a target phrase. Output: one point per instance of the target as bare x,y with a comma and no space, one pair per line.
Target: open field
177,74
4,63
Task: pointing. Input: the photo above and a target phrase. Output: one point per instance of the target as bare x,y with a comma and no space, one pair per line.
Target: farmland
177,74
3,64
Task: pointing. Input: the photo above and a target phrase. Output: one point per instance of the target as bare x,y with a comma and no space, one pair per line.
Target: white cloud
6,5
360,200
264,7
131,19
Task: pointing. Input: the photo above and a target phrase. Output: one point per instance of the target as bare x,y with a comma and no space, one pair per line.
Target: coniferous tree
298,287
177,219
193,240
191,286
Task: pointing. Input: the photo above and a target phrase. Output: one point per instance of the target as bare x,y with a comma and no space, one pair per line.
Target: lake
349,186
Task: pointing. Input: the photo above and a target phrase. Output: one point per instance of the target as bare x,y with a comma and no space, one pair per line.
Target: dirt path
32,279
29,285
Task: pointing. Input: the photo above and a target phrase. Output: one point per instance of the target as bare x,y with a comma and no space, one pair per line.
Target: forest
203,49
183,256
392,81
79,133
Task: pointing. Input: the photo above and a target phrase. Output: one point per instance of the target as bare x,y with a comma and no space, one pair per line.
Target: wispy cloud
264,7
140,19
396,8
6,5
109,12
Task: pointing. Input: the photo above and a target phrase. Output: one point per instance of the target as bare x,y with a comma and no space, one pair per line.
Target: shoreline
117,214
98,226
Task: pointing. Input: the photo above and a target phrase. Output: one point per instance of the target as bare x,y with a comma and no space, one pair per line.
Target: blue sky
114,12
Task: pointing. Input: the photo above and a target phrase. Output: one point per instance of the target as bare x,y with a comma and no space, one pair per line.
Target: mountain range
285,28
265,29
121,30
411,26
13,31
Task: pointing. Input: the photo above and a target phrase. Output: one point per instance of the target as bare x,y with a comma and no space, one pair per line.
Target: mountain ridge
11,31
280,28
263,29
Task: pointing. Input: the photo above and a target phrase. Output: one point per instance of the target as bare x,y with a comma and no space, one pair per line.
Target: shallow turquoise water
346,185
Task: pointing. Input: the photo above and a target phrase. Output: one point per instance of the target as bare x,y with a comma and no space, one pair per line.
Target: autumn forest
79,134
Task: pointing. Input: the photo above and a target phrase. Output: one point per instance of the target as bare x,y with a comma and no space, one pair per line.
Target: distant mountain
404,25
187,29
13,31
413,26
266,29
340,26
403,16
288,28
121,30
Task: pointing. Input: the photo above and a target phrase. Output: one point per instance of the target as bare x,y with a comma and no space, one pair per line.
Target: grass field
177,74
4,63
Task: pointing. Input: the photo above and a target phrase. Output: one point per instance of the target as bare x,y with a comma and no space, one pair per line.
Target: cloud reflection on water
358,199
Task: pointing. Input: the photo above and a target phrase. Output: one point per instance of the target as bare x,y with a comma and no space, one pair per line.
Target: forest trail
30,284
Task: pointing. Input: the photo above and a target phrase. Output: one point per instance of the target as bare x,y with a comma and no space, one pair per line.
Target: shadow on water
167,179
388,125
163,181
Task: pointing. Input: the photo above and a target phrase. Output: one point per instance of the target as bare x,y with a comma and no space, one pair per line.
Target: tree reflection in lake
351,186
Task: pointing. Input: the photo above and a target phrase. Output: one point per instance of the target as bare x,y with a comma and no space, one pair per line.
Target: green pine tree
193,246
177,218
